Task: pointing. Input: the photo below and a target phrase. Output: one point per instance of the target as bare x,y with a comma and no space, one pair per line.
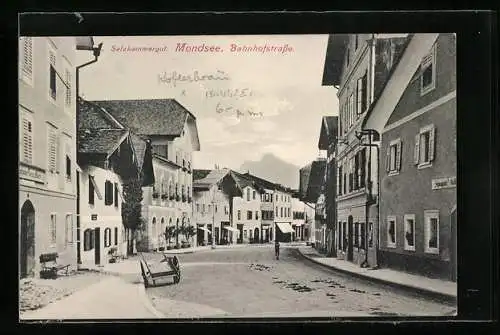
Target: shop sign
31,173
441,183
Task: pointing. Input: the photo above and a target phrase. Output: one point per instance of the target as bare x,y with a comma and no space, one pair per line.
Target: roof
92,116
100,141
212,177
328,132
315,179
149,116
242,181
199,174
335,49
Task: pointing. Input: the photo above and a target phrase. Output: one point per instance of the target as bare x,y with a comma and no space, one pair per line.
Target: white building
173,134
298,218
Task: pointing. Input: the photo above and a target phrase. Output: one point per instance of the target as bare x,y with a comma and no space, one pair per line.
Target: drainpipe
96,52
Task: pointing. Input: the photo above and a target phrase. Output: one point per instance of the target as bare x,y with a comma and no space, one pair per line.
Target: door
349,239
97,243
256,235
240,237
453,246
27,239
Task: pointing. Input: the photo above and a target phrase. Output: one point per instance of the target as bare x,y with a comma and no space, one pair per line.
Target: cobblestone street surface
249,282
35,293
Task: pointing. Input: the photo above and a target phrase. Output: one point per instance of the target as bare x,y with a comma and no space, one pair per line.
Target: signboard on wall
93,217
441,183
31,173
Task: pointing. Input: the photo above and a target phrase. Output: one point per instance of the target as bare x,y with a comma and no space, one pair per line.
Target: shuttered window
27,139
428,72
116,235
52,147
67,78
393,161
116,195
52,74
108,193
424,152
27,59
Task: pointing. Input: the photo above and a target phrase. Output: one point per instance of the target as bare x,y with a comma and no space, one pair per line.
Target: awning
205,229
231,229
285,227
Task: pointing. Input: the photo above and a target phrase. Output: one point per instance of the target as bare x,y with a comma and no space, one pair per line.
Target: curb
147,303
430,294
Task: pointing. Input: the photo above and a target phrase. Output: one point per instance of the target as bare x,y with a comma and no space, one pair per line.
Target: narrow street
250,282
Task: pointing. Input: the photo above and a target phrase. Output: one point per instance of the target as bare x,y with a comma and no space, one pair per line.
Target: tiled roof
334,59
149,116
316,179
91,116
212,178
241,180
200,174
99,141
328,132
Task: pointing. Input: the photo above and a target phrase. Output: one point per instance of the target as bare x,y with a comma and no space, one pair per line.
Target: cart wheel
175,261
176,279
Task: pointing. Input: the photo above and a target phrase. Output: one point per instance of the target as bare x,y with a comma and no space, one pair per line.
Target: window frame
397,145
30,80
107,237
52,48
428,215
88,240
408,217
419,146
69,227
428,60
388,240
52,135
116,235
28,116
53,229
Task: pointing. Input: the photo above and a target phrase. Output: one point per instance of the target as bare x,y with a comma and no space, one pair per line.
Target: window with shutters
424,153
108,193
91,191
249,215
409,232
88,240
68,77
52,147
393,161
53,229
391,231
27,60
116,235
52,58
26,138
428,72
68,230
277,211
116,195
431,231
239,214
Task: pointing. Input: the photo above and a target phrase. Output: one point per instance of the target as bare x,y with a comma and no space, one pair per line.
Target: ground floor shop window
88,240
431,231
409,232
391,231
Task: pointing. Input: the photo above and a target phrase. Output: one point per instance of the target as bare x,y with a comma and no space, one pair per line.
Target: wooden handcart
168,266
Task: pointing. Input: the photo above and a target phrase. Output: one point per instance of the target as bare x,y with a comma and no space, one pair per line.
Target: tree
169,233
188,232
131,209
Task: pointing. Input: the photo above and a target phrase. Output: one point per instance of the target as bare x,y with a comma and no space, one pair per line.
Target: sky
279,95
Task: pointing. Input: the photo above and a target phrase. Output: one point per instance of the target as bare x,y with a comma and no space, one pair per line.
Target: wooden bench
49,264
168,266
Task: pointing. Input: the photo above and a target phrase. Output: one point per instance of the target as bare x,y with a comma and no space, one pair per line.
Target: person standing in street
277,249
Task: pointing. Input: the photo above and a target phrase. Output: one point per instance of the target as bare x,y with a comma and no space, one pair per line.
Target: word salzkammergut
128,48
174,77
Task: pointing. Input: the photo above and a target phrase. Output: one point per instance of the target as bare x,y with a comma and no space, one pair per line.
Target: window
428,72
67,84
424,146
362,236
197,207
370,235
409,232
239,214
108,193
215,208
356,171
27,139
248,194
256,215
340,181
116,235
431,232
249,215
344,236
69,229
393,158
116,195
281,212
27,60
253,195
245,234
91,190
68,168
88,240
226,211
107,237
160,149
52,74
362,168
276,198
391,231
276,210
52,146
356,234
53,229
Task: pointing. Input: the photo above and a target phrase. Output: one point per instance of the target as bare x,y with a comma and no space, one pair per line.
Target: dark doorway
349,239
240,237
256,235
453,245
209,227
97,244
27,239
200,235
217,239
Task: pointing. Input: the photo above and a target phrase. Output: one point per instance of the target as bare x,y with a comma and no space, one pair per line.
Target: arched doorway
256,235
27,239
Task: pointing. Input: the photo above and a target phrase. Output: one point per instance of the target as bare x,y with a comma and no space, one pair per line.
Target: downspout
96,52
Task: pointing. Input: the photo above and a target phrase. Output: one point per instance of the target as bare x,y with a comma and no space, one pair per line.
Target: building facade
361,65
47,150
172,132
298,219
418,174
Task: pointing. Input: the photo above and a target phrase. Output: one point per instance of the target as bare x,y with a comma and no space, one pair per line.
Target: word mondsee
184,47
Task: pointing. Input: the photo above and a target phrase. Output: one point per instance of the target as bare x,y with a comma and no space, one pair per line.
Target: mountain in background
274,170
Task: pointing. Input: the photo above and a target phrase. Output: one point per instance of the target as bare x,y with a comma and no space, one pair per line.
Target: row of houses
91,172
387,197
